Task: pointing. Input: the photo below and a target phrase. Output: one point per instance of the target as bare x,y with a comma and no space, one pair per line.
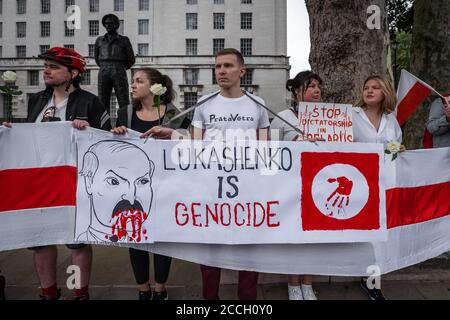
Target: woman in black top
144,116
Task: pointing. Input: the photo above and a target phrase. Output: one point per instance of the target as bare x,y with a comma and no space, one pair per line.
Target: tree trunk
344,51
430,59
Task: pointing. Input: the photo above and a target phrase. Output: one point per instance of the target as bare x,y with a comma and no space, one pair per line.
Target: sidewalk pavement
112,279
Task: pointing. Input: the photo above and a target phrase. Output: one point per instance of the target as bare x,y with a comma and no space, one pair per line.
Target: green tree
401,53
400,21
400,15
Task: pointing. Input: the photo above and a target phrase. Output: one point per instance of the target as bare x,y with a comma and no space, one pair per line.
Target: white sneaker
308,292
295,293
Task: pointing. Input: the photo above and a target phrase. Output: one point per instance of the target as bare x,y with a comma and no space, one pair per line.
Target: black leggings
140,261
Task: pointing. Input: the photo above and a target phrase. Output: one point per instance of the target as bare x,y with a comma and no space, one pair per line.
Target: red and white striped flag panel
41,157
37,167
418,187
410,94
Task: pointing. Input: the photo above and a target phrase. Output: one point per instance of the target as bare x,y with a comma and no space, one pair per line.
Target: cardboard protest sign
328,121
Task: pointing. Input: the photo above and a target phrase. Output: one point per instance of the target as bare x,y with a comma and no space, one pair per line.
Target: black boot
145,295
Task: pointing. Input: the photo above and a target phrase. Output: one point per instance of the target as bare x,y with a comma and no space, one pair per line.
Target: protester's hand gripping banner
242,193
328,121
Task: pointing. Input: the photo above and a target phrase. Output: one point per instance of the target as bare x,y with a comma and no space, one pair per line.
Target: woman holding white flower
152,95
374,122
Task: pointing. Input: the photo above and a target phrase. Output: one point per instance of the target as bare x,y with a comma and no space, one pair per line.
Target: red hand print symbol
341,193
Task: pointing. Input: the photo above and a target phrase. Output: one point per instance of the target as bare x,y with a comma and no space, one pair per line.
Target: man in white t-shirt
230,114
225,115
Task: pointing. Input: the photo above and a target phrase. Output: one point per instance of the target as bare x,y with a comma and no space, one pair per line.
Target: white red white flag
417,218
37,185
411,93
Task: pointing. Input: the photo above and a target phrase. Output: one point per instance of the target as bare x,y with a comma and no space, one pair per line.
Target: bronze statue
114,55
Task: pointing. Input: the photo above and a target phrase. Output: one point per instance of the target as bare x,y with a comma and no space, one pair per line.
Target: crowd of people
63,99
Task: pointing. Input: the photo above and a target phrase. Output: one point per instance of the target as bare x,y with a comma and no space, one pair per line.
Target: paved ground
112,279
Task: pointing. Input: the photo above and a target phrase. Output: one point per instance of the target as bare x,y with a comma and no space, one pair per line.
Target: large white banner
242,193
32,213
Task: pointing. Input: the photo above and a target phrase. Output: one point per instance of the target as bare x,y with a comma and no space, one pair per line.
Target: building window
86,78
246,20
93,28
21,29
191,21
1,29
219,1
246,1
68,32
45,6
246,47
247,79
218,45
118,5
69,46
45,29
91,50
21,6
144,5
143,49
33,77
191,1
219,21
191,47
191,76
121,27
190,99
69,3
1,6
21,51
143,26
44,48
94,6
1,50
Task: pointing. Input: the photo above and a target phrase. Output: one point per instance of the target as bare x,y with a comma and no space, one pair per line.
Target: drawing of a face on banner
117,177
340,191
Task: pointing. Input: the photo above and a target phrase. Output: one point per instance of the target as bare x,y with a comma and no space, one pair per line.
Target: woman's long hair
390,99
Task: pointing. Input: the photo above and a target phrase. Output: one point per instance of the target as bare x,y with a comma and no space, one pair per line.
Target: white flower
393,146
9,77
157,89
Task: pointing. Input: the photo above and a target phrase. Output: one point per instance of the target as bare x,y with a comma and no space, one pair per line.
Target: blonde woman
373,118
375,122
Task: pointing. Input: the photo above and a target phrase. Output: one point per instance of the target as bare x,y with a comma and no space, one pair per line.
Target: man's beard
126,213
62,84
